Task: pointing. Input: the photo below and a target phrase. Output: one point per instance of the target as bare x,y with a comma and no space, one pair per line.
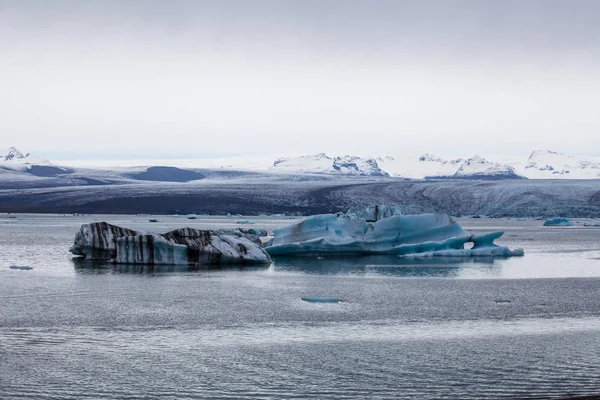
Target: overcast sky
369,77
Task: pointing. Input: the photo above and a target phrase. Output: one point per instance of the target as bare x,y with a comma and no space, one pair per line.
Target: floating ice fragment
558,222
320,299
21,267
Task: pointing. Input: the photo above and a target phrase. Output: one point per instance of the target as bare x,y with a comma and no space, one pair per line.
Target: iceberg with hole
187,246
382,230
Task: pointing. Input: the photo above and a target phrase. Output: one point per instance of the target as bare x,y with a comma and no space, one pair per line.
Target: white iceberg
185,246
421,235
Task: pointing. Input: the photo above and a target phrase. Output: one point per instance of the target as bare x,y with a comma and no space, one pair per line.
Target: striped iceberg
187,246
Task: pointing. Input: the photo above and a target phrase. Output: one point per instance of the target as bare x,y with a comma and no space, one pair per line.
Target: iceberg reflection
388,266
85,266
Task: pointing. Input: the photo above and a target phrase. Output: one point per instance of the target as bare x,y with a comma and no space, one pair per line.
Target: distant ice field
316,195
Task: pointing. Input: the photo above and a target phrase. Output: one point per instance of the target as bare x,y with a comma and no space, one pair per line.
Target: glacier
185,246
422,235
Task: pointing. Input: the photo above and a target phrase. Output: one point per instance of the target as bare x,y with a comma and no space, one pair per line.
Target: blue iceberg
386,233
558,222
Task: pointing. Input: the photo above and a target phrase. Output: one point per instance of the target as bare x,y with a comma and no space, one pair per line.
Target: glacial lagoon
522,327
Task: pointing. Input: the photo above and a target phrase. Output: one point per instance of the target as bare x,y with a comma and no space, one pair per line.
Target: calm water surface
518,328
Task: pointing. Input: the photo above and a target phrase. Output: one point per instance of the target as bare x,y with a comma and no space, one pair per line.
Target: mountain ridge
541,164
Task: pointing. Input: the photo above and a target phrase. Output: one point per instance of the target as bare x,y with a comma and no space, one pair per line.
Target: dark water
519,328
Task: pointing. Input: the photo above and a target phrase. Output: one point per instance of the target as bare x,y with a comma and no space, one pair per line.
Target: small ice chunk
21,267
320,299
559,221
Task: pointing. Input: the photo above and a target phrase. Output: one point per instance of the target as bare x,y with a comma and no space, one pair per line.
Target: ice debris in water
21,267
320,299
374,231
558,222
103,241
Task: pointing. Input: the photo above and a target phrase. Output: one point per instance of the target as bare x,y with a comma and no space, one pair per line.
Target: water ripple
457,359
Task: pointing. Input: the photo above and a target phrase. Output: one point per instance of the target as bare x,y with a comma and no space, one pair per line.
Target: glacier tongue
406,235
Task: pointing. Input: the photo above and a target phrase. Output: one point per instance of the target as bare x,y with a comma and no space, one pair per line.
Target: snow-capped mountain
478,167
431,166
323,164
417,167
541,164
545,164
26,169
426,166
13,156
